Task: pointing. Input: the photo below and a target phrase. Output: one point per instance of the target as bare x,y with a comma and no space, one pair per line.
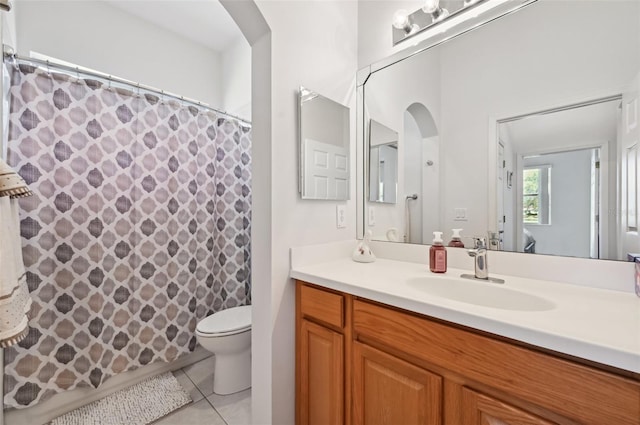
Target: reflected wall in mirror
383,160
460,106
324,147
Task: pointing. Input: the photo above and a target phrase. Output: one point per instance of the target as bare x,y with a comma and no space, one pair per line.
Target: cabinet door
321,396
479,409
387,390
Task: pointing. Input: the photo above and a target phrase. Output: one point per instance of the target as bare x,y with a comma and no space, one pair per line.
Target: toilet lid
229,320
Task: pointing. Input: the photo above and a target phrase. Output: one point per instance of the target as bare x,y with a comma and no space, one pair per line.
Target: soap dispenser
363,253
437,255
456,240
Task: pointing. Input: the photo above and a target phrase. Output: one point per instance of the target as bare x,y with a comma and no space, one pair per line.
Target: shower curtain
139,227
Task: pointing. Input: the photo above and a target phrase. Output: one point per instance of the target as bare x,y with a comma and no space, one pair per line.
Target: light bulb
401,20
431,6
440,16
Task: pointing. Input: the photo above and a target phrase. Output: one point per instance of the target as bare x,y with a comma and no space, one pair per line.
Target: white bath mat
139,404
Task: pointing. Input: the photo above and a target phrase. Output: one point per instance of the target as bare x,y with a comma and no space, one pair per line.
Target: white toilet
227,334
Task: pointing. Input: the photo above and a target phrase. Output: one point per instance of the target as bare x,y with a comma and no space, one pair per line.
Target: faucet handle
480,242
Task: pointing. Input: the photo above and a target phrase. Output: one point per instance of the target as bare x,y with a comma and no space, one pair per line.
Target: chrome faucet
479,253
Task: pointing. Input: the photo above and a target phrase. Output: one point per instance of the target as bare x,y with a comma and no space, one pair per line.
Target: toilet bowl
227,334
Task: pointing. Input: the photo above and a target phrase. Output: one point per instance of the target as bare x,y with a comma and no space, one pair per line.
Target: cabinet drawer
325,306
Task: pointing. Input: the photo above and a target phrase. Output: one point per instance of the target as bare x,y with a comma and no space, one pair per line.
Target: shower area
139,225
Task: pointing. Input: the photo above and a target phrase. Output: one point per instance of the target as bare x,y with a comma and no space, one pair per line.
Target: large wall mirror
324,147
524,130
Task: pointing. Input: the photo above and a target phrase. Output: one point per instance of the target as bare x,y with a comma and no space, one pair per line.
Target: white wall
97,36
313,43
569,230
236,79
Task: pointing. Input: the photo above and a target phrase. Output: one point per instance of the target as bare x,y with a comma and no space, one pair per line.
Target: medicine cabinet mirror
324,147
524,135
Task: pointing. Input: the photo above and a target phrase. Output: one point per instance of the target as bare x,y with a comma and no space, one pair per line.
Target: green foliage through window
531,195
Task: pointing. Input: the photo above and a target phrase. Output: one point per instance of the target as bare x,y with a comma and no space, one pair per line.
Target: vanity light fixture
439,16
401,21
433,8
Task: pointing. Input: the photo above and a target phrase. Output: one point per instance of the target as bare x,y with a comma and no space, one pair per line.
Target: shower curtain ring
77,74
14,61
48,69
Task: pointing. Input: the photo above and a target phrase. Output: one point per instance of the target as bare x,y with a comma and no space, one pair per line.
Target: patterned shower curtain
139,227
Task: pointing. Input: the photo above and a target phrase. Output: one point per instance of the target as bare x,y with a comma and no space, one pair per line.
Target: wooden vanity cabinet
389,390
363,362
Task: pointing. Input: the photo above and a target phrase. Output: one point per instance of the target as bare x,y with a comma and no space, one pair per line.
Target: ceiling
203,21
584,124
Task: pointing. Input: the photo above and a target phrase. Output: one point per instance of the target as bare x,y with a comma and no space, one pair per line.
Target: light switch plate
460,214
371,217
341,216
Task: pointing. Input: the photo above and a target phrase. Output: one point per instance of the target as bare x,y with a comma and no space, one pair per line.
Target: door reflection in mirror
565,163
383,163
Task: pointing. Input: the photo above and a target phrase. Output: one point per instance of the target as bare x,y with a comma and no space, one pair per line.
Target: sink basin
480,293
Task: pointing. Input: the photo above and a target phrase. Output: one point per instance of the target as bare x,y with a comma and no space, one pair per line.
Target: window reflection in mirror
536,183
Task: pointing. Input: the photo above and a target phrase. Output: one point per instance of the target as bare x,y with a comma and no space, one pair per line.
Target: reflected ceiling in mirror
451,103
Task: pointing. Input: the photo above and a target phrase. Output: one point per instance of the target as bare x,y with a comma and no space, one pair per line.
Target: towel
11,184
15,301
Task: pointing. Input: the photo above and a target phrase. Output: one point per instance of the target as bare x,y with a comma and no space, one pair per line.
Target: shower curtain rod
78,70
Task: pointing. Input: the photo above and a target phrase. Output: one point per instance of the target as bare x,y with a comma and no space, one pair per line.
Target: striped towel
14,294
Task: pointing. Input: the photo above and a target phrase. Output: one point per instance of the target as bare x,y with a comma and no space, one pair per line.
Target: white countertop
595,324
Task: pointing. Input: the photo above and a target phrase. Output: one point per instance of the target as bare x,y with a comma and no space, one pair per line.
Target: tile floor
208,408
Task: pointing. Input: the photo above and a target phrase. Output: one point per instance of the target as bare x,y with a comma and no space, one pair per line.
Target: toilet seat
231,321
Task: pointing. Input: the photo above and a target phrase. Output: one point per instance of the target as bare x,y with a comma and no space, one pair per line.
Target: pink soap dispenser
437,255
